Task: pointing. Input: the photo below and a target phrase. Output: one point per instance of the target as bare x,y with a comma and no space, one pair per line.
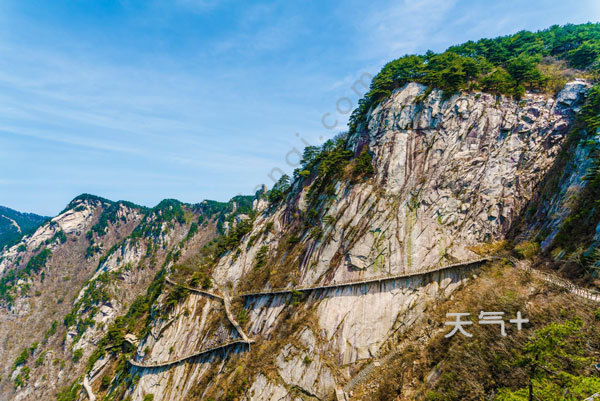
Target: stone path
550,278
195,290
184,358
522,265
88,388
367,371
227,303
280,291
558,281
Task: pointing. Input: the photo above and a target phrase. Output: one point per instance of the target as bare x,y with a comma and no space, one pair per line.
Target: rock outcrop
449,174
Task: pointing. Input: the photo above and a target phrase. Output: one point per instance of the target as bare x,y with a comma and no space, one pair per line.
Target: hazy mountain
14,225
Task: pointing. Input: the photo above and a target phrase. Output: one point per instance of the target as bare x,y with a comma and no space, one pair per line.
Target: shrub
330,166
316,232
296,297
261,257
21,359
363,165
192,232
176,295
242,317
105,381
69,393
60,237
293,239
22,378
277,193
527,249
77,354
39,361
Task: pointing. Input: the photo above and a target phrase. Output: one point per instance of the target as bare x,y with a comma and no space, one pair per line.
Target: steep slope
424,365
14,225
295,293
448,174
41,277
63,286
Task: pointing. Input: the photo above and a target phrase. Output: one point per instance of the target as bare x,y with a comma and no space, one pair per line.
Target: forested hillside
14,225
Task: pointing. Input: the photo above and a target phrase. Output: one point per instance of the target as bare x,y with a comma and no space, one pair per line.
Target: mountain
14,225
467,183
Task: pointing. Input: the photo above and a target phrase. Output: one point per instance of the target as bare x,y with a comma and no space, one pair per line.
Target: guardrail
364,281
226,302
553,279
561,282
182,359
195,290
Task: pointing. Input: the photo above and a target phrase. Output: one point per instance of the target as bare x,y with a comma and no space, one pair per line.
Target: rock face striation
449,174
64,285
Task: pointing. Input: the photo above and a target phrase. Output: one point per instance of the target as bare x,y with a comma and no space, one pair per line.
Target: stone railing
560,282
380,279
153,365
550,278
227,303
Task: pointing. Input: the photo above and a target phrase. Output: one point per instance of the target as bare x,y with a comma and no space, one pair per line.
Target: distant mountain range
462,175
13,225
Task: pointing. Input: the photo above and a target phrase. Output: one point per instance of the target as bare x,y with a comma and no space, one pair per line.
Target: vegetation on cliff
555,352
507,65
14,225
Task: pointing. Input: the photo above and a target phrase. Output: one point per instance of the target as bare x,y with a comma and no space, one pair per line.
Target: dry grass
461,368
490,248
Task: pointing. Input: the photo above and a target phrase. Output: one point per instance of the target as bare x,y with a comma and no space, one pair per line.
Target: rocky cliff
63,286
448,175
254,301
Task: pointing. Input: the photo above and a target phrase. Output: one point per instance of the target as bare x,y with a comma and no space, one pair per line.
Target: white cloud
398,28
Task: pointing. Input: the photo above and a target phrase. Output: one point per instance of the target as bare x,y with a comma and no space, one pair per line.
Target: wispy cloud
201,98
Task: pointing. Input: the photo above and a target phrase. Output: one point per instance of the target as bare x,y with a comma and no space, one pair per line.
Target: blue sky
202,99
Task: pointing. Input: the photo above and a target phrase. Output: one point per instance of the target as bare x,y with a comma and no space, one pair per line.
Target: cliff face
64,285
448,174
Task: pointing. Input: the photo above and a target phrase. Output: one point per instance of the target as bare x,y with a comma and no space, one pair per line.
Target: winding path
342,394
88,388
559,281
550,278
195,290
227,303
184,358
380,279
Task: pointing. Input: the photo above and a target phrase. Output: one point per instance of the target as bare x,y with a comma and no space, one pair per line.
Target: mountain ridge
426,177
15,224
